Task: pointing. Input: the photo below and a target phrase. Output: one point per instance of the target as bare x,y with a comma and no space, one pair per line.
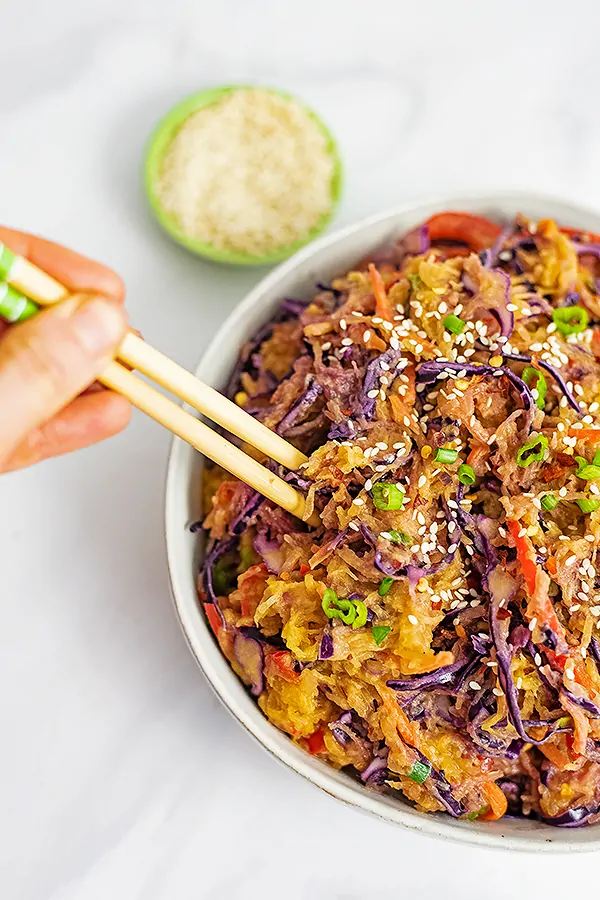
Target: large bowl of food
430,653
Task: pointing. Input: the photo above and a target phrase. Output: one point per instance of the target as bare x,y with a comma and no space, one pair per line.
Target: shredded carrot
551,565
590,435
496,797
382,306
525,553
580,722
556,756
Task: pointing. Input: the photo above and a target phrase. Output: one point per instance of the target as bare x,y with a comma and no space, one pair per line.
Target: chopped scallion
454,324
570,319
466,474
533,451
380,632
549,501
587,505
445,455
535,379
587,471
361,614
387,496
420,771
385,586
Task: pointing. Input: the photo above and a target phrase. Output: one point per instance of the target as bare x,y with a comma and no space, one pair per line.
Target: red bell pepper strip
315,743
476,232
214,619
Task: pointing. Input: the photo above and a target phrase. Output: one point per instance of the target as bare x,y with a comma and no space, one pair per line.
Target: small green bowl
158,145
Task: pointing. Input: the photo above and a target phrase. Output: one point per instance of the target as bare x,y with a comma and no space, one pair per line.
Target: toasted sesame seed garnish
343,325
413,619
346,342
474,686
570,560
358,501
537,659
533,623
422,481
353,526
519,683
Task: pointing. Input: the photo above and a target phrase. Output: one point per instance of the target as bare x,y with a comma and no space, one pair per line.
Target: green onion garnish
387,496
347,611
420,772
415,281
399,537
328,601
334,608
534,451
385,586
445,455
586,470
380,632
475,815
466,474
587,505
570,319
361,614
454,324
549,501
538,382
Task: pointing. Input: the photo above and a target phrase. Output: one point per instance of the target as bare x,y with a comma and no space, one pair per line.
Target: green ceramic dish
155,153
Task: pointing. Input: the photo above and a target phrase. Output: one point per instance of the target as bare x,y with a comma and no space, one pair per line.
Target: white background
120,775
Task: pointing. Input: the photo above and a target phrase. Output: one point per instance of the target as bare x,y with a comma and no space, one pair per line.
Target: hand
48,363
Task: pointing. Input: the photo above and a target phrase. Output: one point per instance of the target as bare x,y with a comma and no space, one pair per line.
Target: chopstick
24,282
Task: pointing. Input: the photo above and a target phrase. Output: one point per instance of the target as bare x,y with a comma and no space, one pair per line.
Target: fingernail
98,325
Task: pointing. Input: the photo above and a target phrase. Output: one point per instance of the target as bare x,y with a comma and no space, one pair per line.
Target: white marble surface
121,776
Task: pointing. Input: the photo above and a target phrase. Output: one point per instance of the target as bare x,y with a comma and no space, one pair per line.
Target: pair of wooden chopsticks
23,283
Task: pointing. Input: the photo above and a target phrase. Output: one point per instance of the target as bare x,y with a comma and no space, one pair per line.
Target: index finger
77,273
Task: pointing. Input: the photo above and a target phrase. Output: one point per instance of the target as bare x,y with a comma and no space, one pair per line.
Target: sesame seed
346,342
474,686
343,325
413,620
533,623
353,526
358,501
366,336
497,692
422,481
519,683
571,560
372,394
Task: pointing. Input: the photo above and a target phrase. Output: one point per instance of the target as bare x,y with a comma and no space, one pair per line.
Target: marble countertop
122,777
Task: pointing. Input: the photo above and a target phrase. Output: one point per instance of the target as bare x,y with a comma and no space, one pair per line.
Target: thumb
50,359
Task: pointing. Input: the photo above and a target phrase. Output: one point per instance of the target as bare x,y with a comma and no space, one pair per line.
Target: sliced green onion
570,319
385,586
536,380
454,324
445,455
347,611
587,505
533,451
387,496
563,721
475,815
549,501
466,474
420,772
380,632
586,470
399,537
328,603
415,281
361,614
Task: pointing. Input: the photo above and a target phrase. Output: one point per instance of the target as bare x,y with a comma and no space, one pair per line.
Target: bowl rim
162,135
222,678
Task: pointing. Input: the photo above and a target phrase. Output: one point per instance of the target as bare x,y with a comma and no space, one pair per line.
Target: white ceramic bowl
320,261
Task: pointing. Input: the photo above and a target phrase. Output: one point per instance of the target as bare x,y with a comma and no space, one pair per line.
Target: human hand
49,404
